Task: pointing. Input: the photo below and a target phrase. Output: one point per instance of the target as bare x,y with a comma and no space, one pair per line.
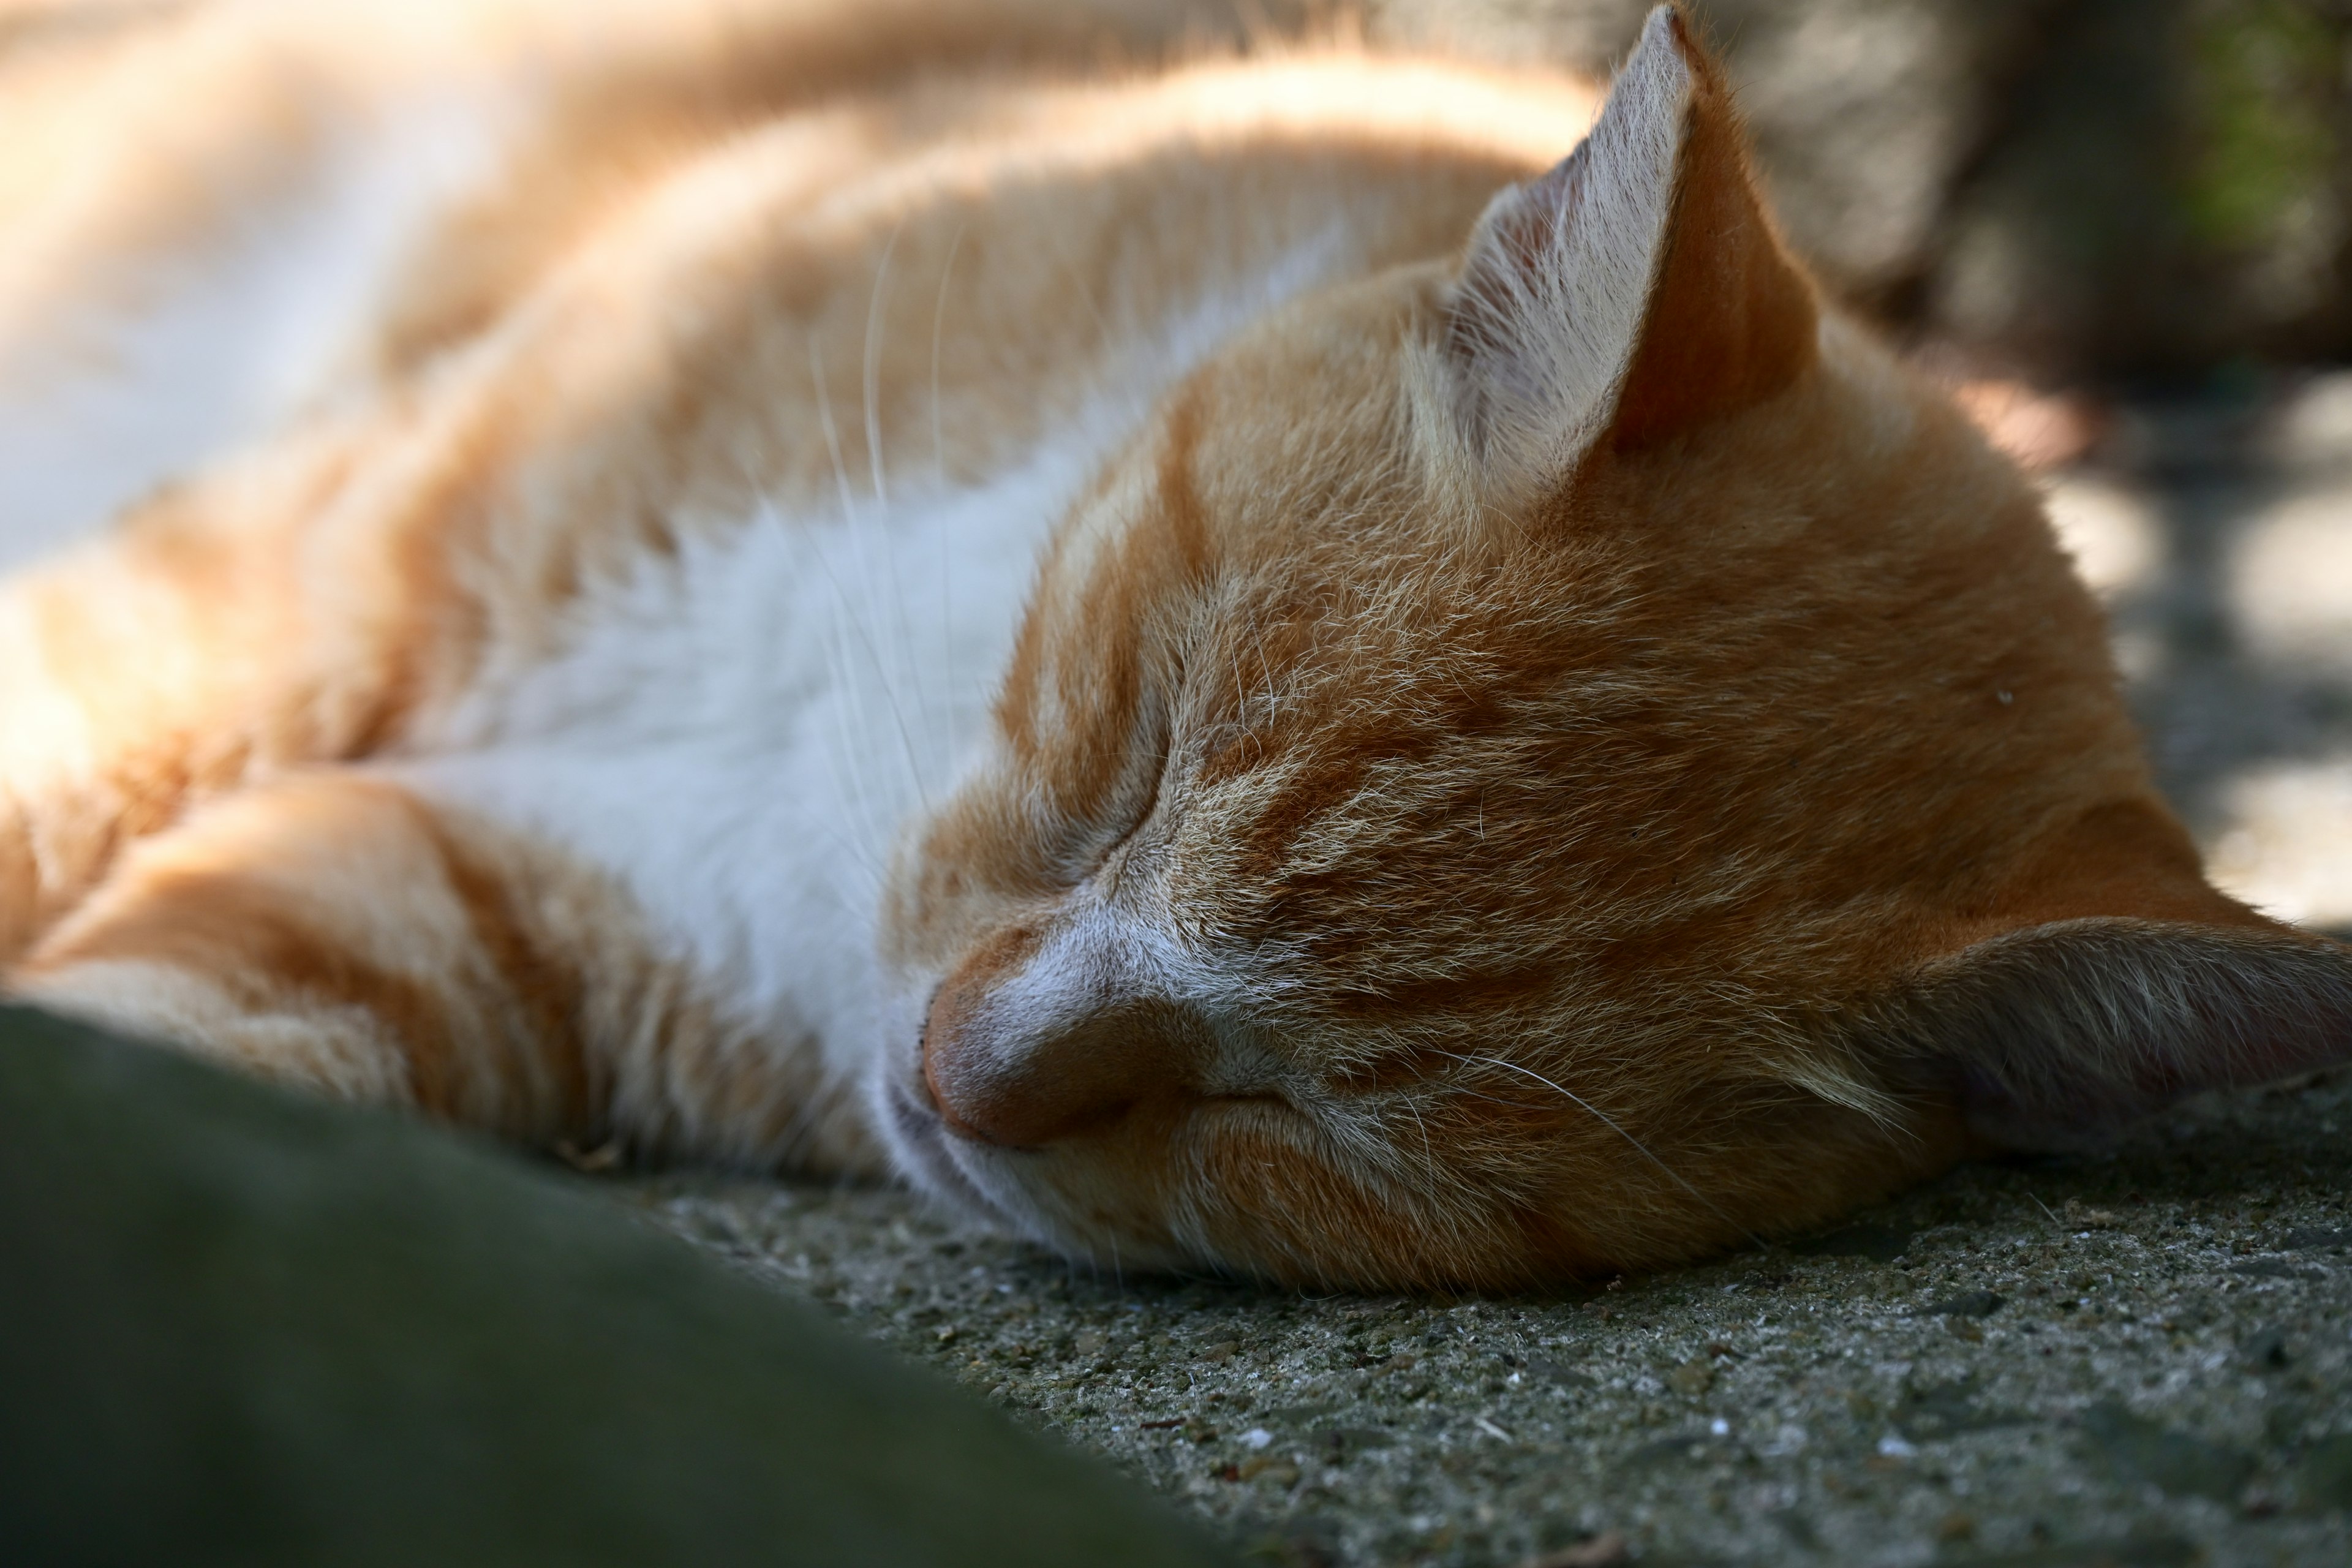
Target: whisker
846,756
846,759
851,617
938,321
832,431
1077,278
909,671
872,388
939,475
1598,1115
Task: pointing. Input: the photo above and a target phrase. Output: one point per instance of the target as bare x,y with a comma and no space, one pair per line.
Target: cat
1230,651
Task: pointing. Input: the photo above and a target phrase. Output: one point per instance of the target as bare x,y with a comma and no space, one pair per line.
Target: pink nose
1011,1064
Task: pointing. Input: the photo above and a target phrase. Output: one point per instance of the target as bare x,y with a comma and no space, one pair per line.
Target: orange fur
1544,751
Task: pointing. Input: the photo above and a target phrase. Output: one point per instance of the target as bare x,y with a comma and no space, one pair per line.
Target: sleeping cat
1193,642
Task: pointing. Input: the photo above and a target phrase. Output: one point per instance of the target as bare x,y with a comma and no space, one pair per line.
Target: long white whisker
939,473
832,431
910,670
1077,280
873,387
845,751
852,619
1598,1115
852,623
938,323
766,515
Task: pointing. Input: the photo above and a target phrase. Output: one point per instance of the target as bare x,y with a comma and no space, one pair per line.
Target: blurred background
2124,228
2148,188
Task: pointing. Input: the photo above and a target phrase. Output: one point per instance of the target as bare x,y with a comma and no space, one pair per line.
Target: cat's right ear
1634,291
2058,1036
2107,980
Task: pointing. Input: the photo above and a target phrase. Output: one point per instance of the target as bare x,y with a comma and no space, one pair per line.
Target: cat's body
1509,767
940,306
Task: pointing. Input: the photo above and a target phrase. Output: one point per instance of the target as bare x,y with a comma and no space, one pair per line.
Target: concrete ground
2143,1358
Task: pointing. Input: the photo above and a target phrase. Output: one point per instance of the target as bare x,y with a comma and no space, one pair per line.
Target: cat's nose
1040,1036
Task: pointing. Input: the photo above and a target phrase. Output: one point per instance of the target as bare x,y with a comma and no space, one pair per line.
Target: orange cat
1196,652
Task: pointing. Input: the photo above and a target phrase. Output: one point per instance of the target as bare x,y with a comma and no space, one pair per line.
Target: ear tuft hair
1634,291
1550,304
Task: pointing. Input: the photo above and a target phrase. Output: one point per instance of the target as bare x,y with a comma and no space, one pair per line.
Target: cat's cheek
1245,1185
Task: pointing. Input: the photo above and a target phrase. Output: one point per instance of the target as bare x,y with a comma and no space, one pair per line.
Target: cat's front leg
335,931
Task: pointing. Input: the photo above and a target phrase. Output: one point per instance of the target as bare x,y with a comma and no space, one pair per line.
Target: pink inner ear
2059,1035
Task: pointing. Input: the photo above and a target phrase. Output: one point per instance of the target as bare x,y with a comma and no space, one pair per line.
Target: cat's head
1547,764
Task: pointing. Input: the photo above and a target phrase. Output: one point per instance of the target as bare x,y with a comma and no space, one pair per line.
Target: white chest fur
738,735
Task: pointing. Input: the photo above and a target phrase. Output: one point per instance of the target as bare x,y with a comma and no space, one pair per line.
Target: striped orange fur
1173,629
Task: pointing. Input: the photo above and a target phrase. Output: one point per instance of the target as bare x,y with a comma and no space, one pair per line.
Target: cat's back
223,218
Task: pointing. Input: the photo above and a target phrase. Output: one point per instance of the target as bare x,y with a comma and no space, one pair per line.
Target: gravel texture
2137,1358
2140,1358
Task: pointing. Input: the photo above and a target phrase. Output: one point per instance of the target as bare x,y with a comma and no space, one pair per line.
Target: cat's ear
2118,982
1634,291
2057,1035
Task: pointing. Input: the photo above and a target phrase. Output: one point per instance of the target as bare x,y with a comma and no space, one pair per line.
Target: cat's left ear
1637,291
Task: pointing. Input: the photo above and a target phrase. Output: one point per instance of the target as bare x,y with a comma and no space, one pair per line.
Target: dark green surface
239,1327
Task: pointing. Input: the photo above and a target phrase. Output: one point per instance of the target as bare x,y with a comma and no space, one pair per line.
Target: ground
2136,1358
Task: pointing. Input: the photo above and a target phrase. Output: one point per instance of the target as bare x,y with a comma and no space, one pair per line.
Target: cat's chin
972,1180
923,1149
918,1140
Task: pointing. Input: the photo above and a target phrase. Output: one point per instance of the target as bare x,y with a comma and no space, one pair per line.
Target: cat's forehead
1316,468
1308,412
1362,665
